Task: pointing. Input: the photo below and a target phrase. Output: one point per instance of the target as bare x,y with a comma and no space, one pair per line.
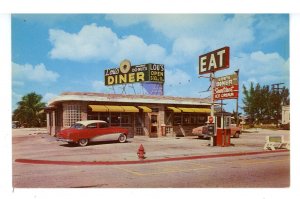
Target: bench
276,142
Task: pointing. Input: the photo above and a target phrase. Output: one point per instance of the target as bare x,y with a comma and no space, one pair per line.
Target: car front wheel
83,142
122,138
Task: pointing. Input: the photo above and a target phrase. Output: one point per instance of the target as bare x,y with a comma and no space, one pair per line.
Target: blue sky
54,53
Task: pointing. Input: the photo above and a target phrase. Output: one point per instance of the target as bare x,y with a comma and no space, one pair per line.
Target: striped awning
194,110
115,109
146,109
130,109
110,108
175,110
186,110
202,110
98,108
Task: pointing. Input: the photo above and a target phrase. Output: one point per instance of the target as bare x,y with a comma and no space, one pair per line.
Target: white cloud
191,34
271,27
91,42
16,97
265,68
99,86
49,96
27,72
176,77
194,34
235,30
18,83
101,43
135,49
125,19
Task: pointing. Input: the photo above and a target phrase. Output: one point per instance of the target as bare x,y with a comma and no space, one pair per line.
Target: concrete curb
53,162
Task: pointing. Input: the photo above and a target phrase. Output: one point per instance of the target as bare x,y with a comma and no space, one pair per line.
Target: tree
249,102
234,114
28,112
263,105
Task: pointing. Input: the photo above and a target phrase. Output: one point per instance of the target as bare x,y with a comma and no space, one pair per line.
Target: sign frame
135,74
214,61
226,87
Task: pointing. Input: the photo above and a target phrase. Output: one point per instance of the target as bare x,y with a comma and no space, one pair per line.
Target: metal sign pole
237,100
212,84
223,132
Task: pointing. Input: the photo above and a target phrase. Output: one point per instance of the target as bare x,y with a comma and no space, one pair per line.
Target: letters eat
214,61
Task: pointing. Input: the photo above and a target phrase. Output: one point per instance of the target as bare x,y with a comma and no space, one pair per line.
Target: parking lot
256,170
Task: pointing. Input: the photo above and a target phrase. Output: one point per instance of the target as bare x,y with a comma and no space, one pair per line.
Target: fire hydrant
141,152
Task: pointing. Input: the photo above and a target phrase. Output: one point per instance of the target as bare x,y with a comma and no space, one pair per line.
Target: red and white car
84,132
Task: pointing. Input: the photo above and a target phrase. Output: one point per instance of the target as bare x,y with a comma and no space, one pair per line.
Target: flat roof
125,98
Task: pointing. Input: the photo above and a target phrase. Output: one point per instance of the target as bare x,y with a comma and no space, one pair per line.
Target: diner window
126,119
169,118
72,114
104,117
202,119
177,119
139,119
193,119
155,110
93,116
153,119
58,117
115,119
186,118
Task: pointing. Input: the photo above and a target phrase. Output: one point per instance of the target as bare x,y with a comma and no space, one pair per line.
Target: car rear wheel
122,138
83,142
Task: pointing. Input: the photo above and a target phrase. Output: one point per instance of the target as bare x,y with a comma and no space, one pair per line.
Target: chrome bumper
64,140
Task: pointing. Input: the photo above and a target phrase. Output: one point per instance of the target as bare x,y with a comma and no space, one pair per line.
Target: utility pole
276,87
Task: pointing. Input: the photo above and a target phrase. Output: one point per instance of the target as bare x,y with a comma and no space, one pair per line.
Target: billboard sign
132,74
214,61
226,87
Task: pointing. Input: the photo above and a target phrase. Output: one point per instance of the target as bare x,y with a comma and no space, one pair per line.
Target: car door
91,130
103,128
101,133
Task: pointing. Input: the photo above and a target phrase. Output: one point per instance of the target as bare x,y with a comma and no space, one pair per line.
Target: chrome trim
64,140
106,137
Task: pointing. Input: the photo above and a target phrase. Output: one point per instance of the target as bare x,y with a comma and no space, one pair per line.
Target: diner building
147,115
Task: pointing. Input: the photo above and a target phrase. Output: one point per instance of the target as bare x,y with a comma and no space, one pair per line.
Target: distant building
285,115
148,115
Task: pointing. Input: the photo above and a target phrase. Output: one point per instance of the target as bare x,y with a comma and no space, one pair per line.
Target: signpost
225,87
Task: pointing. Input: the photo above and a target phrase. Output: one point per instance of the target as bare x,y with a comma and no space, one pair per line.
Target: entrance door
153,125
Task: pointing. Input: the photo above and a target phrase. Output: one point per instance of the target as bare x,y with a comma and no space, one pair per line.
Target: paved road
263,170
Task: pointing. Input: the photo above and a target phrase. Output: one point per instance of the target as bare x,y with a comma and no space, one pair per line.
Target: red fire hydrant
141,152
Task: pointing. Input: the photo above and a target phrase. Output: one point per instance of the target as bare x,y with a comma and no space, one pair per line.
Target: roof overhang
115,98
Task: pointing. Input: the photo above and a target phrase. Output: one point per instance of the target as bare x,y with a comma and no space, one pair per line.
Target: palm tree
28,112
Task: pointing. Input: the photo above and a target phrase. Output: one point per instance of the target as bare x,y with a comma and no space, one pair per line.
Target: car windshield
77,126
